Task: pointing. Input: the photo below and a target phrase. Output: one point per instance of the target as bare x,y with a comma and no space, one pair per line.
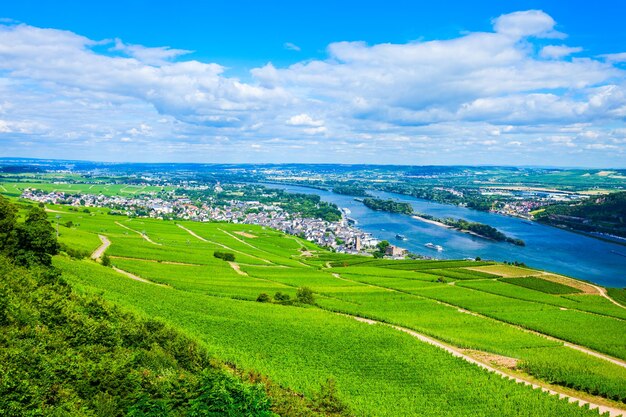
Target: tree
7,224
281,298
264,298
36,240
382,246
305,296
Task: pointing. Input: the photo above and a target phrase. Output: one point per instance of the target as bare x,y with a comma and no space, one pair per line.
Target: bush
226,256
282,298
106,261
264,298
327,400
305,296
65,354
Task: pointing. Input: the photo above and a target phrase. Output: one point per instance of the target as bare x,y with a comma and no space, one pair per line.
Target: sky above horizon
509,83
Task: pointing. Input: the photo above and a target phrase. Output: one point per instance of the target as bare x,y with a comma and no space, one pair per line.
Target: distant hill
605,214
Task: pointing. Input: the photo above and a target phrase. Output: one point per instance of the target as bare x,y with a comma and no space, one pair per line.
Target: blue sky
515,82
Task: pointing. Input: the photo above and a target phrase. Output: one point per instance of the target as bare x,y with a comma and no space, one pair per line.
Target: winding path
238,270
97,254
192,233
580,348
143,235
603,293
613,412
136,278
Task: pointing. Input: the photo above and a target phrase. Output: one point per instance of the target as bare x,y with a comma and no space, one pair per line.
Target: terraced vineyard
558,333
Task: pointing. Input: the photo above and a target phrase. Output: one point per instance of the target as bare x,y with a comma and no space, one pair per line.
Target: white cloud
304,120
619,57
291,46
151,56
527,23
386,102
558,51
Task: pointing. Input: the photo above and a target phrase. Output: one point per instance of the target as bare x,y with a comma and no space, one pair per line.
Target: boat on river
431,245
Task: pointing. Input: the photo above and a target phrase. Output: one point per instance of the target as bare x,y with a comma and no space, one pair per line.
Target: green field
379,371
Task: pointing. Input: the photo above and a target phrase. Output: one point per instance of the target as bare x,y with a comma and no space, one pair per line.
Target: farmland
470,306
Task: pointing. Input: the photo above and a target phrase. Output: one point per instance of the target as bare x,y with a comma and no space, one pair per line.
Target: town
340,236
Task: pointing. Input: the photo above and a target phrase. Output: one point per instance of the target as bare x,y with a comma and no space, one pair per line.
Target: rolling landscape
312,209
389,336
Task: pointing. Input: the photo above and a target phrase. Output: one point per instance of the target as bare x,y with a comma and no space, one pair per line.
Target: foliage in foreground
64,354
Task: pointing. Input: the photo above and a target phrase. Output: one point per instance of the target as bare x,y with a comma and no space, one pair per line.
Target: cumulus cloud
412,102
527,23
558,51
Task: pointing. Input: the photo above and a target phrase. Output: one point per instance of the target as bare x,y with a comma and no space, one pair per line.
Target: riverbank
547,247
447,226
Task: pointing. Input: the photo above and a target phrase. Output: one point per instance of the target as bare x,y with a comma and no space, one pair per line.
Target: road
97,254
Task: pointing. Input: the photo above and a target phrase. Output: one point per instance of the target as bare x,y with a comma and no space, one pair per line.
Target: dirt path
143,235
604,294
247,244
613,412
5,190
221,245
238,270
574,346
53,211
198,237
136,278
97,254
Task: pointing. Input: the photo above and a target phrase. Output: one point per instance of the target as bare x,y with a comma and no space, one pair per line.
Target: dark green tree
305,296
36,239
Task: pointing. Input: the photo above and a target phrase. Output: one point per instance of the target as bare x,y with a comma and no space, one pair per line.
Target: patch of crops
618,294
538,284
300,348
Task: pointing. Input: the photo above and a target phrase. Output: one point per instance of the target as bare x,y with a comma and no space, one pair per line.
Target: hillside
605,214
62,353
175,277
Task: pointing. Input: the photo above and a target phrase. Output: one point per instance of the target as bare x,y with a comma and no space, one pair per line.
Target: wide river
546,247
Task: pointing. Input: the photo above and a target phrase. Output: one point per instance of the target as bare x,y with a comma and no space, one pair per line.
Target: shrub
305,296
264,298
327,400
106,261
282,298
226,256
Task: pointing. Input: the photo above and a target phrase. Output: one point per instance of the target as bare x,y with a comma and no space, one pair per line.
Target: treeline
470,197
605,214
388,205
66,354
353,190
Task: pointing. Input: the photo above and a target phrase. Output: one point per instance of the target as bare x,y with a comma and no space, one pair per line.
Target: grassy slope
300,348
417,310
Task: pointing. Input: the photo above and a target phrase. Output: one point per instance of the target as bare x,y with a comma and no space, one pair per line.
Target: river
547,248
